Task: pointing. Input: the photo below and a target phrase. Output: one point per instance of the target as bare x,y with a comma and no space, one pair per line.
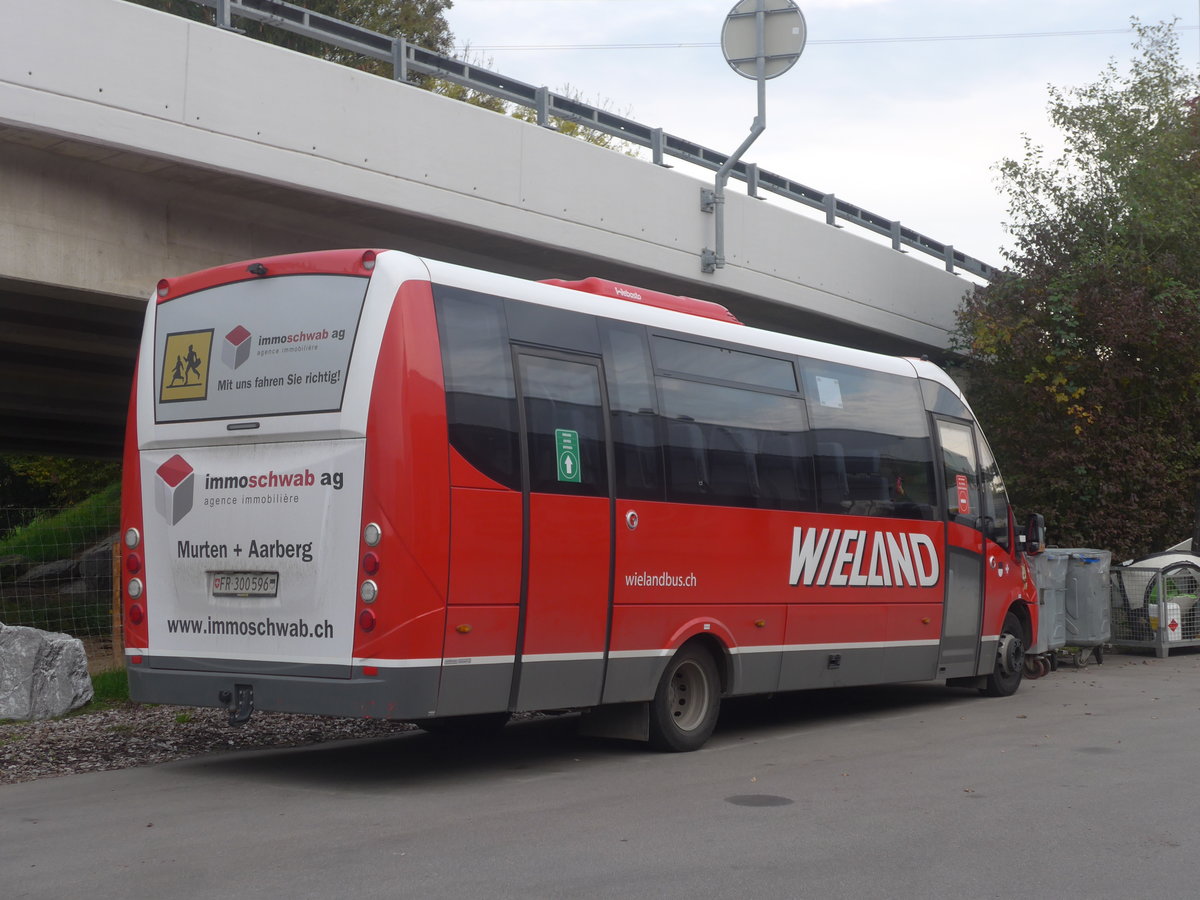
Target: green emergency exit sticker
566,443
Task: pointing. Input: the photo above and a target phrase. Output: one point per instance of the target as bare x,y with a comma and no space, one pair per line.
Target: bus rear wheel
684,710
1010,660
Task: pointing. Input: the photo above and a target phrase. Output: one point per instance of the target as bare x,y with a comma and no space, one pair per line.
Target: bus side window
832,487
634,411
874,453
481,398
563,395
995,498
785,470
962,473
939,399
687,462
732,466
734,446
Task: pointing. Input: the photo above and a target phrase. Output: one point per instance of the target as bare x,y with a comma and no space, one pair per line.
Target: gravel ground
139,735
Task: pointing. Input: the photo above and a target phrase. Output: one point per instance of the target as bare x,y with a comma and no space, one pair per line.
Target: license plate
245,584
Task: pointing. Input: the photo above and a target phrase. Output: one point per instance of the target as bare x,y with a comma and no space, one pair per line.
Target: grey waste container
1088,619
1049,570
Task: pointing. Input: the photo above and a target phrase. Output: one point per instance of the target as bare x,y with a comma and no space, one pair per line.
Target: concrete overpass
135,144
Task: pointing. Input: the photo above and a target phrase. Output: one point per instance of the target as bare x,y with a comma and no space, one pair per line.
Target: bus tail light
368,591
137,615
133,563
372,534
366,620
370,564
368,259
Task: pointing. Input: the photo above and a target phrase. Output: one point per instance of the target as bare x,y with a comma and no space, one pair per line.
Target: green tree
574,129
421,22
32,484
568,127
456,91
1081,357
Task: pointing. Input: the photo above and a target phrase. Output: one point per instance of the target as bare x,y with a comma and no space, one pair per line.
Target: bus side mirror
1035,535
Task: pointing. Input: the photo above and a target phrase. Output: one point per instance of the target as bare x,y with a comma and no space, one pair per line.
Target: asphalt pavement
1082,784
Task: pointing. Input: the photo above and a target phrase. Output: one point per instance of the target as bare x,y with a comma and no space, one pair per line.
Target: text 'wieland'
836,557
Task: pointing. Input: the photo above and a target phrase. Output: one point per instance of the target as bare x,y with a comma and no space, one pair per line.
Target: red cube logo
235,349
174,489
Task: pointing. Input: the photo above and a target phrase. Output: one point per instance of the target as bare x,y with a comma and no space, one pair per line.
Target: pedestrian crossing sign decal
185,366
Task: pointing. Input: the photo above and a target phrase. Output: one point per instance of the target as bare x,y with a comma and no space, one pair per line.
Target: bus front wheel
1010,660
684,710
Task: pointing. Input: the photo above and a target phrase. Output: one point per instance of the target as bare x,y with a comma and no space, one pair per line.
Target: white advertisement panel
252,550
266,347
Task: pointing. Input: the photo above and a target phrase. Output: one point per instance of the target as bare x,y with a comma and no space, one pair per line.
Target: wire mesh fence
1155,607
56,568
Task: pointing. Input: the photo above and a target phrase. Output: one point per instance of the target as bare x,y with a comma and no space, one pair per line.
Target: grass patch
110,690
84,609
111,686
64,533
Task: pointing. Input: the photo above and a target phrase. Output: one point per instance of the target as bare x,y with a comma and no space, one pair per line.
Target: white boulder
42,673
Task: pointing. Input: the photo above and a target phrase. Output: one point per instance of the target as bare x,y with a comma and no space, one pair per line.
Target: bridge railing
407,58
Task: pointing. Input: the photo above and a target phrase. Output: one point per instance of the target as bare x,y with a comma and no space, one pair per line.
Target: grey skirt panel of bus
399,693
468,688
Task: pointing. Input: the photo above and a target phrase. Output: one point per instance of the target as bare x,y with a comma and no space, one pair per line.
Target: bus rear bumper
401,693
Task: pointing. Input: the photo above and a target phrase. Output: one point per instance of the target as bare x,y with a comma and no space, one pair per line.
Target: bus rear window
268,347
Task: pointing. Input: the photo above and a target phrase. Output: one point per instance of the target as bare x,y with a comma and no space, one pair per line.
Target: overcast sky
904,127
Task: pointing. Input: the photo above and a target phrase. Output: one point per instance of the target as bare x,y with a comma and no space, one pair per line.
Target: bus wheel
1010,660
684,710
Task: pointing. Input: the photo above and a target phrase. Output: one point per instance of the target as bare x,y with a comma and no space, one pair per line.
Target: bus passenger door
962,617
562,636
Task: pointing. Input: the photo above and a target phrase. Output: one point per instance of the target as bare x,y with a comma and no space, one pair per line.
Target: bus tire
1010,660
684,710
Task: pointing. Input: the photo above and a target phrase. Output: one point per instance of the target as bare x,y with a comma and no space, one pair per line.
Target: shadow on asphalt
544,744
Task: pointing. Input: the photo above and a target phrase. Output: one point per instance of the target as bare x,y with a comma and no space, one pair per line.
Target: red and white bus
366,484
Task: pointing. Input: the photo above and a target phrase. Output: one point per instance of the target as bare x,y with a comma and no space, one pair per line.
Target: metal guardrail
407,58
